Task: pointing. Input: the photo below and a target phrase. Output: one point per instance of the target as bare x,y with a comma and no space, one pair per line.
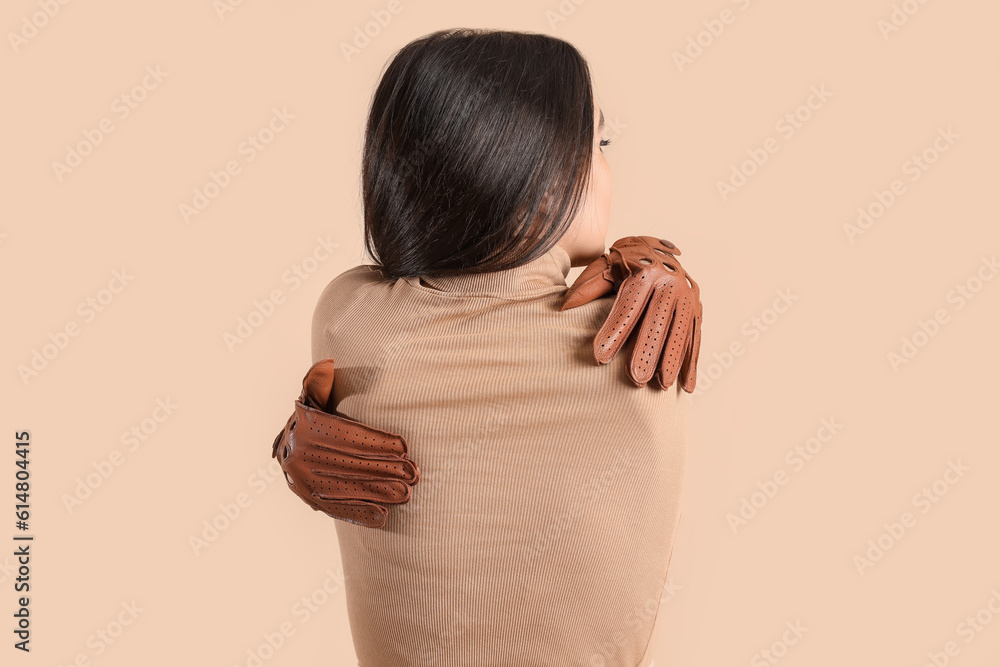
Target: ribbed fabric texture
543,523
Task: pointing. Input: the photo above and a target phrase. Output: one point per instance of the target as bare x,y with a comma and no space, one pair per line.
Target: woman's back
543,523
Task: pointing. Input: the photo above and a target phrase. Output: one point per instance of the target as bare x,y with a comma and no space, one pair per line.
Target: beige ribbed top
549,495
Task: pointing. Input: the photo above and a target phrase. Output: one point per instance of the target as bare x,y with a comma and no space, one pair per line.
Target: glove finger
350,467
354,511
690,369
306,466
670,247
281,437
678,342
661,245
593,283
629,370
379,490
317,385
346,435
319,485
656,323
626,311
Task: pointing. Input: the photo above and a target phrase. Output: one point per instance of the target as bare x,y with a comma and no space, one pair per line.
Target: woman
542,526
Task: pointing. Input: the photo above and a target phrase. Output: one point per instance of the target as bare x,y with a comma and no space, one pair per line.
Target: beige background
679,130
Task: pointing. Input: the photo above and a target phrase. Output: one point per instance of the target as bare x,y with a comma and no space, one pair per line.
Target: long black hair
477,153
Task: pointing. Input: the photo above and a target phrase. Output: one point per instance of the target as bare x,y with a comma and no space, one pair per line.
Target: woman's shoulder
344,286
346,290
355,277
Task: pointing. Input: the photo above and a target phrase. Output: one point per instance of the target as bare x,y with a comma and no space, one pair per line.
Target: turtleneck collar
538,275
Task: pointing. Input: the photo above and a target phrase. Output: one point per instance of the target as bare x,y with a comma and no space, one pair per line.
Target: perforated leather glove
652,288
337,465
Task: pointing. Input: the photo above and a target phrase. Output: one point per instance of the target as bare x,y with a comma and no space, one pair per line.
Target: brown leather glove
338,465
654,288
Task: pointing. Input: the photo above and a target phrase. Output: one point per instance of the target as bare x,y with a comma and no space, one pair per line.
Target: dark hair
477,152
